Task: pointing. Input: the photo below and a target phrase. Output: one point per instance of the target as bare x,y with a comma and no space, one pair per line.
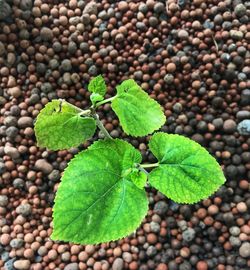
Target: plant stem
104,101
101,127
85,112
143,170
150,165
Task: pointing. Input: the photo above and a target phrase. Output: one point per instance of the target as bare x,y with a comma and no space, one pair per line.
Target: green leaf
97,85
187,173
94,97
125,85
139,115
139,178
59,126
96,201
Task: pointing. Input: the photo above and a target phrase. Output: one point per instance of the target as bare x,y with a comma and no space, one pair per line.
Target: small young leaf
139,115
96,201
187,173
139,178
97,85
59,126
94,97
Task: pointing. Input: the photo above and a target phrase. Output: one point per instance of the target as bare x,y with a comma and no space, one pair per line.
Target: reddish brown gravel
193,58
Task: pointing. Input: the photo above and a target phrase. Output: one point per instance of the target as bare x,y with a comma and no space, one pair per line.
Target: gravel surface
193,58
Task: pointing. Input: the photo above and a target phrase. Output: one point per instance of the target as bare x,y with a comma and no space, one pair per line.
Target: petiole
104,101
101,127
149,165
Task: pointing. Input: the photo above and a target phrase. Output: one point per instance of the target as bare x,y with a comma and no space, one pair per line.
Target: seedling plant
102,194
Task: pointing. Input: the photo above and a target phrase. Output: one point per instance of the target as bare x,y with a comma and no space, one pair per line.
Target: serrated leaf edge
180,136
163,117
185,202
177,201
39,144
94,78
128,234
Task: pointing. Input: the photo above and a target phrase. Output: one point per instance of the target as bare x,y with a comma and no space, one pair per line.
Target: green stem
104,101
101,127
143,170
149,165
85,112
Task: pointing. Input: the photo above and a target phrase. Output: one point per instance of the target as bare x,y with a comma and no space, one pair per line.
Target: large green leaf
97,85
59,126
96,201
139,115
187,173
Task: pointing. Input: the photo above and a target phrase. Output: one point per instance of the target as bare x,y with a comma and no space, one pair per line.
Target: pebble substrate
193,58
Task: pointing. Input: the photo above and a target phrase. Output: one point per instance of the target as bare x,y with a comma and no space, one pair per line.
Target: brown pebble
15,91
201,265
22,264
122,6
171,67
52,254
162,266
5,239
183,34
213,209
241,207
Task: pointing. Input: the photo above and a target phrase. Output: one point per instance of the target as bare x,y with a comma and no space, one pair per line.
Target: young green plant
102,194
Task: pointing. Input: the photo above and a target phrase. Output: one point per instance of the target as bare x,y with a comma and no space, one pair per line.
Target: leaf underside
138,114
59,126
95,202
97,85
187,173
